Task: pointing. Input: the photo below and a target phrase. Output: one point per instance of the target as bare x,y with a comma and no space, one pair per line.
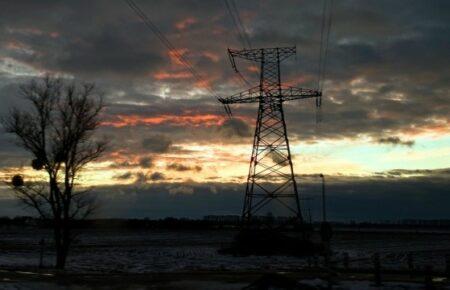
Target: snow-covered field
139,251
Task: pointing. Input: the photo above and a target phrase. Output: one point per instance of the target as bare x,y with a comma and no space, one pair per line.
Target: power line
319,73
241,32
153,28
246,82
330,18
240,23
240,36
244,32
327,13
325,29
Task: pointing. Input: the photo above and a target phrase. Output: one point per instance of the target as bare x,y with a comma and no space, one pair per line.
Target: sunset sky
383,143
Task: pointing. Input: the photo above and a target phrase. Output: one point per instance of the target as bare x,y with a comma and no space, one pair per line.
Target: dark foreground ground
305,279
174,259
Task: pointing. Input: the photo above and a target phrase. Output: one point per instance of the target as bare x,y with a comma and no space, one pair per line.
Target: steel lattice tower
271,175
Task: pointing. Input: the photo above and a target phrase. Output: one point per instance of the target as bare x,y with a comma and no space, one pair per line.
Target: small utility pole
324,210
326,231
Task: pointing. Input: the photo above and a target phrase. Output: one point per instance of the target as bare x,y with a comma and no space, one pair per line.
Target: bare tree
58,132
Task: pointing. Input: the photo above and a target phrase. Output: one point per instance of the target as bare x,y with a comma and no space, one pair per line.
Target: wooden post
376,269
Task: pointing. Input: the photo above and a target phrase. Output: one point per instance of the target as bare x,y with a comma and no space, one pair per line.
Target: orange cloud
175,53
172,76
15,45
203,84
211,56
439,128
190,120
183,24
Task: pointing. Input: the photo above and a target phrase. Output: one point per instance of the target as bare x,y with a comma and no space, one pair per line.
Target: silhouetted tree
58,131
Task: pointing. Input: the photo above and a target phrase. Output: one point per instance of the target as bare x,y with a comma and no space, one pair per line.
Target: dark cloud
120,54
156,176
395,141
399,51
146,162
181,167
123,164
156,143
141,177
182,189
436,173
235,128
178,167
124,176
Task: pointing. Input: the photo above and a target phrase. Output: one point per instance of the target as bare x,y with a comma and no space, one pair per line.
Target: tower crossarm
293,93
253,95
259,54
249,96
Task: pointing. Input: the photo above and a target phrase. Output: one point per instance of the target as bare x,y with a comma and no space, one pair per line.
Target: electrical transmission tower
271,176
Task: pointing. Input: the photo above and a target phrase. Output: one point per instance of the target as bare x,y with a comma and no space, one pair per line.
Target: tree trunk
62,244
60,258
62,251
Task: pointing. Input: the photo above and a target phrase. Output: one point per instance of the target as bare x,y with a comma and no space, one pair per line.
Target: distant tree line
204,224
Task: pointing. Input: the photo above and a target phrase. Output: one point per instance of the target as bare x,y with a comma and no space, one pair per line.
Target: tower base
272,242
